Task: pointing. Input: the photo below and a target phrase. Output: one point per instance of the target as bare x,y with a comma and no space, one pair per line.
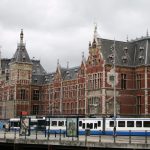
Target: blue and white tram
128,126
94,125
56,125
14,123
35,124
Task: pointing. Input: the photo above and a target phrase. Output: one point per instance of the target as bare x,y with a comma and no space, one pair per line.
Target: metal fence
61,136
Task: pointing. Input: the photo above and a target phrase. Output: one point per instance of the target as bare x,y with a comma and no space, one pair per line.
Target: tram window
99,123
54,123
95,125
47,123
130,123
83,125
41,122
121,123
61,123
138,123
146,124
111,123
16,124
33,123
90,125
80,123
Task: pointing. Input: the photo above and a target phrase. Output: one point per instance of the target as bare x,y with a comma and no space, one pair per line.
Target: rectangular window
83,125
61,123
146,124
138,123
90,125
36,94
35,109
138,105
111,123
54,123
123,81
22,94
121,123
95,125
130,123
138,81
80,123
99,123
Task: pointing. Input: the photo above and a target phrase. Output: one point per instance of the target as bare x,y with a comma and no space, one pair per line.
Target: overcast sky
62,29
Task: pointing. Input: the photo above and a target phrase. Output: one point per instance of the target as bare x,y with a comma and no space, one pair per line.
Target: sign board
24,113
24,126
72,127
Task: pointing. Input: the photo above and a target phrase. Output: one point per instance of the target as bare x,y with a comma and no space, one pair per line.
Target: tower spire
147,34
82,56
67,64
21,37
95,31
57,62
127,38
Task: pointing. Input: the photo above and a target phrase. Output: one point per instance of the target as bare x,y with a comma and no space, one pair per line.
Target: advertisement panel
72,127
25,126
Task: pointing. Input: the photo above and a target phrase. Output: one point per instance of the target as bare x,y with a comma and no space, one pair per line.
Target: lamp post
114,85
112,80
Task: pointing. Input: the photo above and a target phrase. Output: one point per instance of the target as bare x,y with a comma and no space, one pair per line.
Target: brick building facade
83,90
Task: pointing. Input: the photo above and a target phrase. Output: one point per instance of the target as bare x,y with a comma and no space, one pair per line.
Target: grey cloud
62,28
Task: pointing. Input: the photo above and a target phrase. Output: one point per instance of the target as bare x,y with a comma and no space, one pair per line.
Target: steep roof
5,63
71,73
21,54
37,68
38,73
130,54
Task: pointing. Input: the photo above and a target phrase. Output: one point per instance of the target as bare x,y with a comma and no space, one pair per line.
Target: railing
87,138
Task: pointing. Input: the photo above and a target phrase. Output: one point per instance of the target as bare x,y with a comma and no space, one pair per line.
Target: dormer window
125,49
35,80
141,48
124,59
23,58
68,74
76,70
111,57
46,79
141,58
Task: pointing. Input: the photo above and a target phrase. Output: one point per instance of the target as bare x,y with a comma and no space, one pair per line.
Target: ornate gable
58,76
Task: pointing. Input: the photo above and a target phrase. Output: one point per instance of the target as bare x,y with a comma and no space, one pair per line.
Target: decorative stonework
111,76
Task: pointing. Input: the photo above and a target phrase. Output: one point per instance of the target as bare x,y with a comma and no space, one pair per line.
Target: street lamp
113,80
114,74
